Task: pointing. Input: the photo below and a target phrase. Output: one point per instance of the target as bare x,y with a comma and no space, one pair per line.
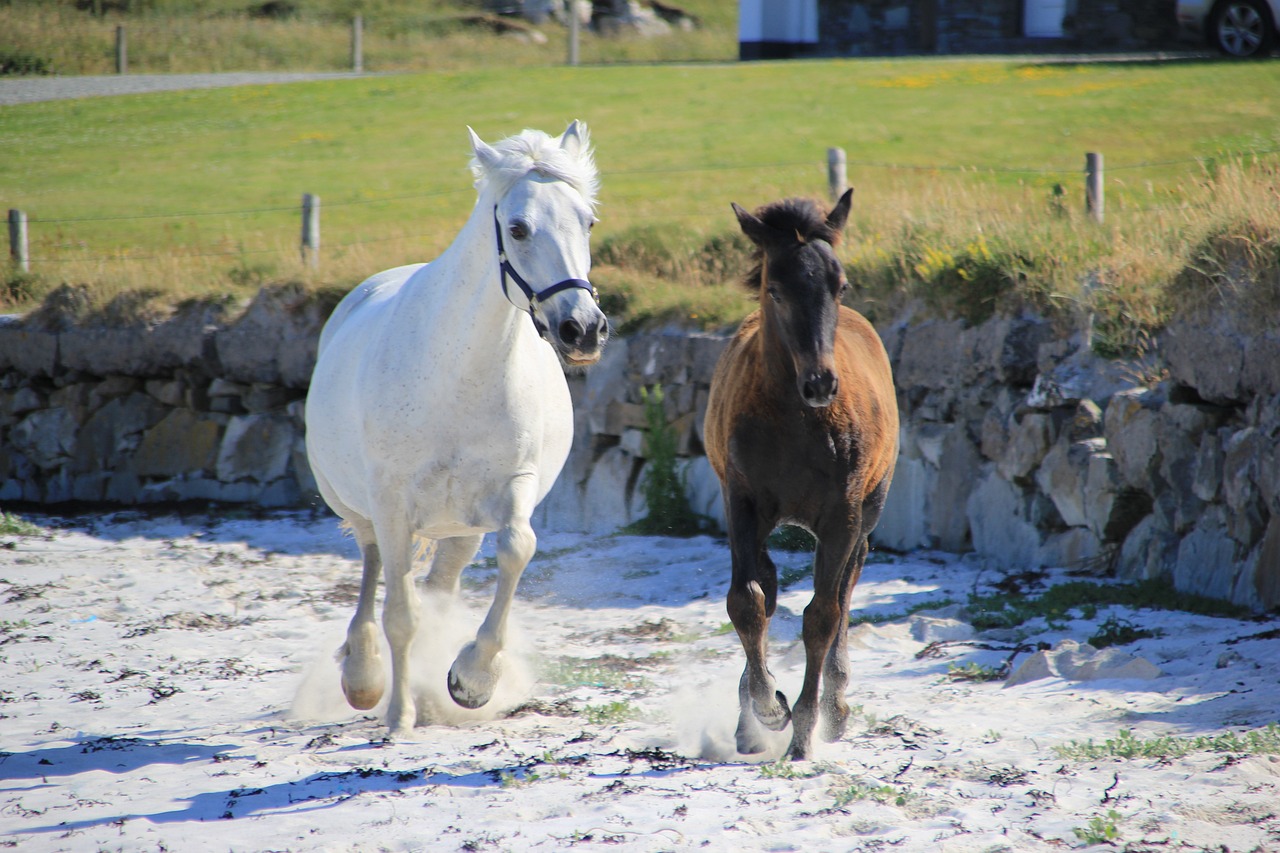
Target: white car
1240,28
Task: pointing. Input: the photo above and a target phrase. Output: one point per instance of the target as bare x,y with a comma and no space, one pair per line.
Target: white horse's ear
485,153
575,138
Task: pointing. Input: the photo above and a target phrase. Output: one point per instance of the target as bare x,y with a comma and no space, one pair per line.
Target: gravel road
30,89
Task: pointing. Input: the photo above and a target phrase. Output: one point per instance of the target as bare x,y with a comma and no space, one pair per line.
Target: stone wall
1017,443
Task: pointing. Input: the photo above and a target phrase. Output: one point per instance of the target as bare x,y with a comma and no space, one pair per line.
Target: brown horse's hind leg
753,596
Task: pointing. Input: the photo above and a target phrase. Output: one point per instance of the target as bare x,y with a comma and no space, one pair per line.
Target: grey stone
1149,551
170,392
31,352
25,400
1002,521
1029,442
1266,568
606,500
903,523
1260,373
47,437
1130,424
958,467
606,386
114,432
1207,355
1075,548
931,356
1207,557
274,341
182,443
1062,477
255,447
1206,471
1242,457
1083,376
703,488
1082,662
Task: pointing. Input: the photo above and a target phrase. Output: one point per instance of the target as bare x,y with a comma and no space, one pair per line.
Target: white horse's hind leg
452,556
400,618
363,676
475,672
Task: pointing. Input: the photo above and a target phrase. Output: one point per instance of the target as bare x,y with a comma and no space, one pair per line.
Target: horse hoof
774,719
468,696
361,700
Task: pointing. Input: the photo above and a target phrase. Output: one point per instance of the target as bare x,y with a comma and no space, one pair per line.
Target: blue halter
534,297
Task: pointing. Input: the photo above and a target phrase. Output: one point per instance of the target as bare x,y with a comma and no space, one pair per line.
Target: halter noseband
534,297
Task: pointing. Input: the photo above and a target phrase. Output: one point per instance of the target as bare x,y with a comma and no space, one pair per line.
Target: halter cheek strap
534,297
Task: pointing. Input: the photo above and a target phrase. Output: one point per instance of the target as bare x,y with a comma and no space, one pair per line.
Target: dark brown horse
802,427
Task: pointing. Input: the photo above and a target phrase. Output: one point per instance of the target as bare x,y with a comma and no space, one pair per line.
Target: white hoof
470,683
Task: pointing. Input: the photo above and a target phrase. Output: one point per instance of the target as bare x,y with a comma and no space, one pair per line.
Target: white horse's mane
535,151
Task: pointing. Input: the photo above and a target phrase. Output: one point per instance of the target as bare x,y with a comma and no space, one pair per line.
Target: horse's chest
796,459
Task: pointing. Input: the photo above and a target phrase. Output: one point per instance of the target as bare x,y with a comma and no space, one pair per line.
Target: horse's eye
774,294
519,230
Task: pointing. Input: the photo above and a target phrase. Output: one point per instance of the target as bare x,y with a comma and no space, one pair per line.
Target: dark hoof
465,697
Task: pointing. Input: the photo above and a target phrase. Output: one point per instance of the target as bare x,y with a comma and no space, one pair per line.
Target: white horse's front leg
400,618
475,672
363,677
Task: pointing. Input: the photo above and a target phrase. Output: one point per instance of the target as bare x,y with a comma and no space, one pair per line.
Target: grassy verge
968,175
196,36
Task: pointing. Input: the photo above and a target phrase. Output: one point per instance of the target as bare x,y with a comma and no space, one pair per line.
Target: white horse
439,410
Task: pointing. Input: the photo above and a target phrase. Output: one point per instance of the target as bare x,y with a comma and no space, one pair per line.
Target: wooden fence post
1093,194
357,44
311,230
837,176
572,7
122,51
18,240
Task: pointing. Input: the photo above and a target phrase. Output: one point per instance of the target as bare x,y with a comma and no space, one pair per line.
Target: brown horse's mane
802,217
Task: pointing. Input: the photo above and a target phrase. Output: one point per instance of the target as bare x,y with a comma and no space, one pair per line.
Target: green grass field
968,175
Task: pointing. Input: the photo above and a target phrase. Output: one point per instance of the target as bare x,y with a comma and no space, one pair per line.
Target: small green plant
664,485
1126,745
881,618
876,793
1120,632
13,525
612,712
1010,610
784,769
1100,830
975,672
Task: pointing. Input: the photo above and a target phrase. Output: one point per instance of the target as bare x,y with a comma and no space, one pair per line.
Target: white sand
149,665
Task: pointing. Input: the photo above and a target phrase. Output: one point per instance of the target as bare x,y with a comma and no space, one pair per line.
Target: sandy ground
168,683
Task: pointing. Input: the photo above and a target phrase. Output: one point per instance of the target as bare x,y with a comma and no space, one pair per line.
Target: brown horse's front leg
835,674
752,598
821,624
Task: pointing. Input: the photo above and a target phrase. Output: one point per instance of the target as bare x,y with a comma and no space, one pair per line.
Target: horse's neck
466,276
776,368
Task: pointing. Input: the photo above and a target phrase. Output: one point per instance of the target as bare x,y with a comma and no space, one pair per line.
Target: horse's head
801,282
543,210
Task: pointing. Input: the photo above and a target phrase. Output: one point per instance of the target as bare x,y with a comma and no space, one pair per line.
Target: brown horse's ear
839,214
756,230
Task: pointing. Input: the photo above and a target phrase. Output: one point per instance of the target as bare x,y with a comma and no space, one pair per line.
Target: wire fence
21,223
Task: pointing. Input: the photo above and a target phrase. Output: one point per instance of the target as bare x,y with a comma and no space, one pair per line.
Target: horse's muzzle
582,344
818,387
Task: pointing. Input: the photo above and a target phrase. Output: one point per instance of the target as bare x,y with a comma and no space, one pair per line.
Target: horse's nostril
602,328
570,332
